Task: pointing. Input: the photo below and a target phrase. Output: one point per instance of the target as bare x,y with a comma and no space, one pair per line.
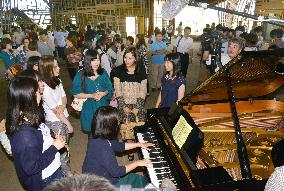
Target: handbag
127,128
15,70
77,104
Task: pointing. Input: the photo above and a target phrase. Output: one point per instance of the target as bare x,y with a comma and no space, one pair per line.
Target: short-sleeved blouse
170,90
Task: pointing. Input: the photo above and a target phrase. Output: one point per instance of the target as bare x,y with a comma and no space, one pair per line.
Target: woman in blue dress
173,82
9,58
91,83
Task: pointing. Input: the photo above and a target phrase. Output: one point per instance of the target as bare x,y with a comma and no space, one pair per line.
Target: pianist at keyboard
100,157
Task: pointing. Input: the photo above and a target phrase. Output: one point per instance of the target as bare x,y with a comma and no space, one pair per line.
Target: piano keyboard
159,169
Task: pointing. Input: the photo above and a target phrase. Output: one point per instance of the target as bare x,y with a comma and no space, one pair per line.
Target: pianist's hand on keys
159,168
146,145
145,162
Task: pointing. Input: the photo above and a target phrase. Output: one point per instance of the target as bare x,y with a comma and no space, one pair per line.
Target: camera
211,44
209,37
206,40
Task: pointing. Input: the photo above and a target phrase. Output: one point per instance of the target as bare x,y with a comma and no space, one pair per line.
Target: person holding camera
183,45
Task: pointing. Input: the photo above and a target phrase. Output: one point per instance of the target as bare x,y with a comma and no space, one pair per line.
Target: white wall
196,18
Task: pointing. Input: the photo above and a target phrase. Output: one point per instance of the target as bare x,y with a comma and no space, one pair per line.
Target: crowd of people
37,120
103,67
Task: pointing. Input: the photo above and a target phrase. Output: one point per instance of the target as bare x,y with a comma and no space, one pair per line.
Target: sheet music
181,131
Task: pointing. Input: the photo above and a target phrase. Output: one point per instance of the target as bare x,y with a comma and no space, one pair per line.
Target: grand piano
235,118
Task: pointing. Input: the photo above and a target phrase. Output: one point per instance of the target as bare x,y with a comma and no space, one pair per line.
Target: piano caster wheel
130,157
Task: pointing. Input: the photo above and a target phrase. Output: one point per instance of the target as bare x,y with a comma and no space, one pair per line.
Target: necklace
94,77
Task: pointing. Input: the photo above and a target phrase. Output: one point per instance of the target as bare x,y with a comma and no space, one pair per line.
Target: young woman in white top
54,104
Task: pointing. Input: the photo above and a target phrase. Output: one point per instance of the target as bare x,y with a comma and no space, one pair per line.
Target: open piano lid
252,75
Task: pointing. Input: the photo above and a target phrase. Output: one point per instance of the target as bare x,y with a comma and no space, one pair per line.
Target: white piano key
156,151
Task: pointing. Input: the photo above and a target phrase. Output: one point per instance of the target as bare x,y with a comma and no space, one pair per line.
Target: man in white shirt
43,47
18,37
276,180
184,46
60,41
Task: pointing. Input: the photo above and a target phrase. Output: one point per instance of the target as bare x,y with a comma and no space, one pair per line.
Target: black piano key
163,170
162,176
155,155
147,136
152,147
164,163
155,150
160,165
160,158
157,160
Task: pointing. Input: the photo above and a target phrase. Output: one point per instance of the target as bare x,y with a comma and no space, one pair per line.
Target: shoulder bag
77,104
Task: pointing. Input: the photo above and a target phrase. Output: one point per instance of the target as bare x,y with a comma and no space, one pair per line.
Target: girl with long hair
31,156
54,105
91,83
130,85
173,82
